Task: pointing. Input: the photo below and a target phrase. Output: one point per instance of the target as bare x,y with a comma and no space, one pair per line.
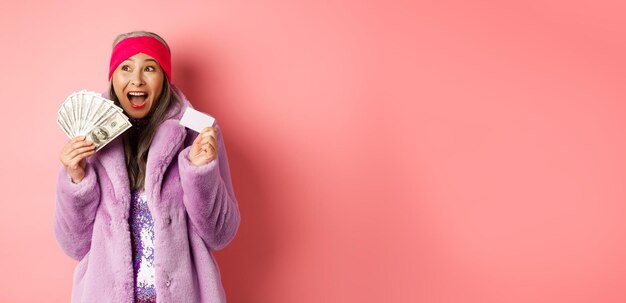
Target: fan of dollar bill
87,113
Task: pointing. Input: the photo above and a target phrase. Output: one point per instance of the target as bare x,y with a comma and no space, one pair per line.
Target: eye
125,68
150,68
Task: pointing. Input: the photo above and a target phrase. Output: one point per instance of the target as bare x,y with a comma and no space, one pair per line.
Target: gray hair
140,34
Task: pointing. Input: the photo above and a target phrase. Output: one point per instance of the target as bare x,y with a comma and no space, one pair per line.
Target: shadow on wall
247,261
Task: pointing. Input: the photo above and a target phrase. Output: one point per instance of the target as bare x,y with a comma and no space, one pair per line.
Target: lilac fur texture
194,209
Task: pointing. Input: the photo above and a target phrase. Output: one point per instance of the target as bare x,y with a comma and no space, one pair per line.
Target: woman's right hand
73,156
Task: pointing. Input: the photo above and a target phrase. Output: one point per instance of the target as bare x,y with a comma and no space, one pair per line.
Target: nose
137,78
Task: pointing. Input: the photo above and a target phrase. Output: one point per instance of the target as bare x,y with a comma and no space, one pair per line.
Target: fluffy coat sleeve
209,199
75,212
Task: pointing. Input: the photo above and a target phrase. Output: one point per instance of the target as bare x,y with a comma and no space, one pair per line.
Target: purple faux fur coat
194,211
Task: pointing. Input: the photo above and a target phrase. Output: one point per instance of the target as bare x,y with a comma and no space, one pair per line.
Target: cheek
156,82
157,88
118,86
119,93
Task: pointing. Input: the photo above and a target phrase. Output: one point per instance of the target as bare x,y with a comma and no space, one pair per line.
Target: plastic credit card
196,120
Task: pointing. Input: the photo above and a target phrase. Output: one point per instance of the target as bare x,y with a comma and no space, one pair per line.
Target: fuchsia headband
144,44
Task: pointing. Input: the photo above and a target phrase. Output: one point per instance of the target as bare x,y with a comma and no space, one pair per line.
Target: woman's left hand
204,147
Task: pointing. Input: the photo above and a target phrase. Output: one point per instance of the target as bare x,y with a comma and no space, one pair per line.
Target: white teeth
137,94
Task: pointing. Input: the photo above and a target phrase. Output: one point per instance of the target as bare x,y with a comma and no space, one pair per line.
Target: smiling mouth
137,99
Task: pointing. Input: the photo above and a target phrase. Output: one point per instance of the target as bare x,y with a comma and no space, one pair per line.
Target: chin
138,115
135,113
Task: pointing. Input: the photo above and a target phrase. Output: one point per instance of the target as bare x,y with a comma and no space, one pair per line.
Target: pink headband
144,44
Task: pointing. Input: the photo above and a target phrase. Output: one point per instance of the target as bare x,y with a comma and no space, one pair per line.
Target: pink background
464,151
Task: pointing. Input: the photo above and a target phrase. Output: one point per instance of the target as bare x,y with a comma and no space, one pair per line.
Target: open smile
137,99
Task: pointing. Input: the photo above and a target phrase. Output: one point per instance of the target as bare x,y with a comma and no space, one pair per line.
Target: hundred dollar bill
64,127
62,120
88,114
108,129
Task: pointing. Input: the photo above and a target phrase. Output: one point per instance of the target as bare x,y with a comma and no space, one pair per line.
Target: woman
143,214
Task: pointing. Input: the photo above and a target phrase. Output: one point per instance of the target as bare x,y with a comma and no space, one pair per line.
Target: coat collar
168,140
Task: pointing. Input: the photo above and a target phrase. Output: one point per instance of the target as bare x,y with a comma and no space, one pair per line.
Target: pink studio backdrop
463,151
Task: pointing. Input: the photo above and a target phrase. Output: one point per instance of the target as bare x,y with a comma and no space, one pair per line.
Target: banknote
87,113
109,129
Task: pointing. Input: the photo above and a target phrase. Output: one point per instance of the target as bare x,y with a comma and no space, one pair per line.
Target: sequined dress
142,232
142,238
